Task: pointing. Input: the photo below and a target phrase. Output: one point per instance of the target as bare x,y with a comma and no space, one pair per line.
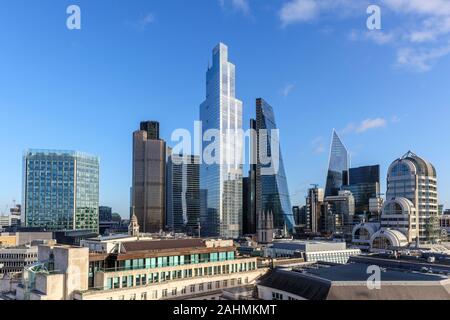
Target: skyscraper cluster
352,207
208,195
213,198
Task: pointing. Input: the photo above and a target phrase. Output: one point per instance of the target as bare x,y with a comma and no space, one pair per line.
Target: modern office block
364,184
221,177
415,179
271,176
183,193
315,211
60,190
105,213
338,167
149,177
341,209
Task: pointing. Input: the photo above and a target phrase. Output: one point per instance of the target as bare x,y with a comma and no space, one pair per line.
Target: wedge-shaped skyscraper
338,166
271,183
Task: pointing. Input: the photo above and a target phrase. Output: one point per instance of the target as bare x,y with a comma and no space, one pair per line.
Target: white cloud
371,124
145,21
363,126
287,90
298,11
242,6
420,36
318,145
420,60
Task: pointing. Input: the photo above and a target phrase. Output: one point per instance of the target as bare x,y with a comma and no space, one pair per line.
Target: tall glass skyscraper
338,166
273,188
221,181
183,193
60,190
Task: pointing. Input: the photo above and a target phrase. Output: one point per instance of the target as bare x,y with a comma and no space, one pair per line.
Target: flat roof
358,272
148,245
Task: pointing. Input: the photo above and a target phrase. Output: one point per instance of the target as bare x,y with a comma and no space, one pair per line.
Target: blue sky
385,91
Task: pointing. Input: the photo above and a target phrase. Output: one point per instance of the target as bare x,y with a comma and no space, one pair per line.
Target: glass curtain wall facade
338,166
274,188
183,194
61,190
221,179
364,184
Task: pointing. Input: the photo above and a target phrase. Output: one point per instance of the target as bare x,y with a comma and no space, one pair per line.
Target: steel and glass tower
221,179
338,167
272,188
61,190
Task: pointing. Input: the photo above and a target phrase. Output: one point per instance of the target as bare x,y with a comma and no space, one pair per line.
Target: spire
133,228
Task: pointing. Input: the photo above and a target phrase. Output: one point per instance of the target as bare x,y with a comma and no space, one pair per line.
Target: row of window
173,261
280,296
192,289
158,277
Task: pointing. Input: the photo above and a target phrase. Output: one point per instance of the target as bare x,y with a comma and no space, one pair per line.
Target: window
192,289
154,294
138,280
200,287
116,282
144,296
217,284
277,296
109,284
209,285
183,290
174,292
164,293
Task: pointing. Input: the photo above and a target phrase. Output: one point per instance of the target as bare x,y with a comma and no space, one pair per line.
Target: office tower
246,204
221,177
296,214
60,190
272,183
414,178
183,193
338,166
15,215
149,175
152,129
105,213
441,209
364,184
341,209
300,216
314,210
254,206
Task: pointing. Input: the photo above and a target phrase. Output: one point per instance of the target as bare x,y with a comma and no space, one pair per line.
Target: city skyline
376,133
